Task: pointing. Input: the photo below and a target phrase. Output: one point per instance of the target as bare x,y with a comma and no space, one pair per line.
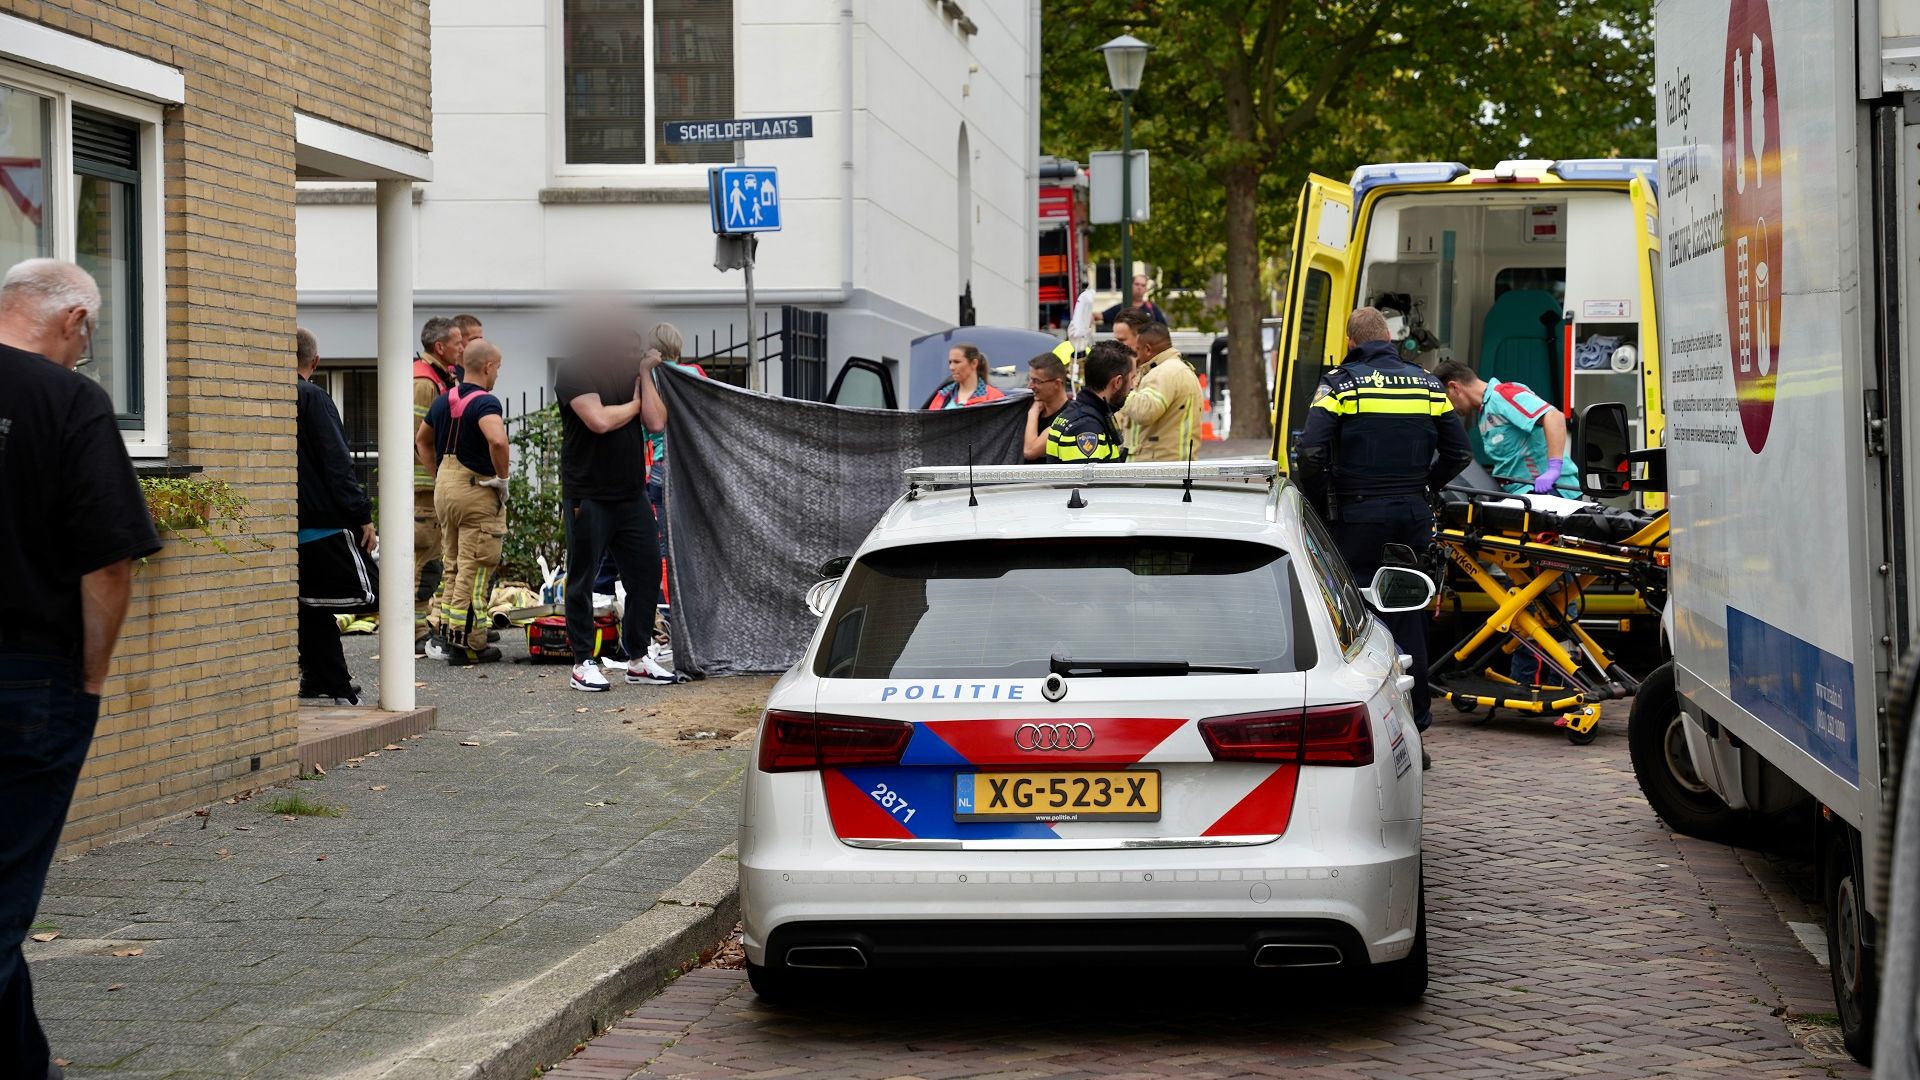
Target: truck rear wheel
1856,980
1656,742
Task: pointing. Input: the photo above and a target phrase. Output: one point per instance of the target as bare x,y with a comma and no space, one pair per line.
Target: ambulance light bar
1367,177
1170,473
1604,169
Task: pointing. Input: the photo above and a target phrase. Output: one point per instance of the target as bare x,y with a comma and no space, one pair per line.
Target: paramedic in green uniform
1525,438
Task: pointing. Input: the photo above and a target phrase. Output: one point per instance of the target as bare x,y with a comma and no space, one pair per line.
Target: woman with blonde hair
968,366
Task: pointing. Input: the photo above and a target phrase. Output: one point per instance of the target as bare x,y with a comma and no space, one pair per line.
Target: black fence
799,347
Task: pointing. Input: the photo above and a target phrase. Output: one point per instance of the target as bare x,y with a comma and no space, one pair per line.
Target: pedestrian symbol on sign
744,199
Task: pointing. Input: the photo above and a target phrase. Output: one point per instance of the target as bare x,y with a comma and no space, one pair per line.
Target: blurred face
1464,399
960,366
1139,288
1123,334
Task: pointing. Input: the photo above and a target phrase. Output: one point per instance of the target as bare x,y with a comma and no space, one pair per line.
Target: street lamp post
1126,60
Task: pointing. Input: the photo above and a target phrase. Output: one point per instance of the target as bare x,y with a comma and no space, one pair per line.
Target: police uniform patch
1321,390
1088,442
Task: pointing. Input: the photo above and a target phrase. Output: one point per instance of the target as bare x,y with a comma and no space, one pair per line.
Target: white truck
1788,235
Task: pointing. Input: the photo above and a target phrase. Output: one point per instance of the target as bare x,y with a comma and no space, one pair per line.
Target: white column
394,343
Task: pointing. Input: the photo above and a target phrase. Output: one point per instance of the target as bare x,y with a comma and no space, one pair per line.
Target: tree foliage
1243,98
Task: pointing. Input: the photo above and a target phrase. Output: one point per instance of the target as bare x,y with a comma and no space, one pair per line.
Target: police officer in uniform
1084,430
1380,437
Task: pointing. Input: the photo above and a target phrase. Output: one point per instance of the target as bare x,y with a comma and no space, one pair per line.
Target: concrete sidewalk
462,866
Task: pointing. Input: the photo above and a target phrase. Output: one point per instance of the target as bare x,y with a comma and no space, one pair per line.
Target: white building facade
553,177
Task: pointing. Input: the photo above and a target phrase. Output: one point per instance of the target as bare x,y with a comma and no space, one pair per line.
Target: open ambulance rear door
1319,296
1646,216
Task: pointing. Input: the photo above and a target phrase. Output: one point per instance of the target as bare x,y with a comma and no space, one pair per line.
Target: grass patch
42,927
1821,1019
294,802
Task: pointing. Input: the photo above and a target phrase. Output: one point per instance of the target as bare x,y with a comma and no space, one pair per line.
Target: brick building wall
202,701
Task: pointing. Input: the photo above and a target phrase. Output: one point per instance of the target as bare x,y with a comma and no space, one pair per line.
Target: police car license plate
1130,795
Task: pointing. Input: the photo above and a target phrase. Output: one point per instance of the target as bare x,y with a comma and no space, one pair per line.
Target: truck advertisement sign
1759,280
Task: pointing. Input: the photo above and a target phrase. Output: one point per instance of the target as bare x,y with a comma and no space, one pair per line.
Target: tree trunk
1246,362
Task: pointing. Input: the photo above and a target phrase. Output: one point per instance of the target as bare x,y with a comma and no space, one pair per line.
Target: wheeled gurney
1535,557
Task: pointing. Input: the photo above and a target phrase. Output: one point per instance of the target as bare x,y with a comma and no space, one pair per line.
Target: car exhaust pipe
827,957
1297,956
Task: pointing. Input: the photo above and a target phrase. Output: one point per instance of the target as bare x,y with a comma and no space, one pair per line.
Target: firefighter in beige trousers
462,443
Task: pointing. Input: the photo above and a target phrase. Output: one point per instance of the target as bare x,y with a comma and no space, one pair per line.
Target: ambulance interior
1493,278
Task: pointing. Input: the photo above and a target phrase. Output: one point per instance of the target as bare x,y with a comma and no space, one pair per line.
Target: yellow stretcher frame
1537,568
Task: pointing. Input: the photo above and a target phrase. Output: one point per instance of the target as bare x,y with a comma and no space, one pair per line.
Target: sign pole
1126,197
756,378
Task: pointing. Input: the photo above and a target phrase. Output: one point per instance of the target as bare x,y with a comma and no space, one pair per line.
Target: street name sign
686,132
744,199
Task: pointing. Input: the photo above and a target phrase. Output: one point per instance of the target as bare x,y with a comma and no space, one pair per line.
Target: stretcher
1534,559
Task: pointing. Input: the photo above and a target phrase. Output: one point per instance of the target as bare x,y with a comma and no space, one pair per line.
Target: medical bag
547,637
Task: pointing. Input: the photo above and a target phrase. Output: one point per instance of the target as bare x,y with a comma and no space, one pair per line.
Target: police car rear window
1004,608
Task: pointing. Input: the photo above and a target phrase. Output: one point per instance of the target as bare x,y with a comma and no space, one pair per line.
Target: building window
79,181
632,66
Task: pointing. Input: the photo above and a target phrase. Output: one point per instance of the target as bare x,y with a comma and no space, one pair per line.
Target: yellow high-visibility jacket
1163,412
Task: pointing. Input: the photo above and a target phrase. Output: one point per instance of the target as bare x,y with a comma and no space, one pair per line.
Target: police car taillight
1340,735
795,741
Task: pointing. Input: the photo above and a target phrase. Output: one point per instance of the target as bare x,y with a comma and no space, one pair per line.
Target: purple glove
1543,484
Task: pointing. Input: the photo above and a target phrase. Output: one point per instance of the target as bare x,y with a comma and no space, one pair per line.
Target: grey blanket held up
761,490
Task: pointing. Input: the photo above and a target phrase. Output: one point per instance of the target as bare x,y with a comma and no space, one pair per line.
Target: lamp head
1126,61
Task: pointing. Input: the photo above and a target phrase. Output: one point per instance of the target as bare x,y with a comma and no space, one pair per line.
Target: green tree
1243,98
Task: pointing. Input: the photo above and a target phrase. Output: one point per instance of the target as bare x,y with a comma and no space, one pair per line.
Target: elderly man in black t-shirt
607,405
72,520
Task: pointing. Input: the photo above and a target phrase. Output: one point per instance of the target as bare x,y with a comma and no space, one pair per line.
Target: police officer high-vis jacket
1379,426
1084,431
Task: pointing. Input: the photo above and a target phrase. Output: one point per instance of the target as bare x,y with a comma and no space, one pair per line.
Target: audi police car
1091,713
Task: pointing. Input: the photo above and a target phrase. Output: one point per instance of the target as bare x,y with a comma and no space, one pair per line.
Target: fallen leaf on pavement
618,708
529,689
319,858
378,787
243,828
128,952
412,736
468,742
582,708
627,721
419,686
63,1062
287,817
223,853
393,746
319,769
116,986
47,936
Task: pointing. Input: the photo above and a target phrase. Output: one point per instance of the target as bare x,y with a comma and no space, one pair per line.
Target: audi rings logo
1053,737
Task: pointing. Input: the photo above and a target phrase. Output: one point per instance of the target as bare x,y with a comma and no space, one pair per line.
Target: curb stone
540,1021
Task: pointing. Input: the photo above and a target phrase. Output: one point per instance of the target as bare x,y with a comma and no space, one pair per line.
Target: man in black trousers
72,522
337,573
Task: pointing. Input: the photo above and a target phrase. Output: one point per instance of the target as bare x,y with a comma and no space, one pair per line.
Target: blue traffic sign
744,198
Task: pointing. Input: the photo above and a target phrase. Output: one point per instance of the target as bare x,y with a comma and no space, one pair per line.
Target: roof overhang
324,150
55,50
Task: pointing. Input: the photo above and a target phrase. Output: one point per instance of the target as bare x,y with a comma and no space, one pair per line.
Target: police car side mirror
836,566
1399,588
820,596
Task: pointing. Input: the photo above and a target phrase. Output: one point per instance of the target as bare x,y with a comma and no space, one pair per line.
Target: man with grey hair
336,538
1381,438
435,371
72,522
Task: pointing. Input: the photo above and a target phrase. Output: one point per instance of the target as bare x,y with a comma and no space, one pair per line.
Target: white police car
1107,714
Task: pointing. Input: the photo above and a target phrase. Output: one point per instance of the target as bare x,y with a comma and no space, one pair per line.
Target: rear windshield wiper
1067,665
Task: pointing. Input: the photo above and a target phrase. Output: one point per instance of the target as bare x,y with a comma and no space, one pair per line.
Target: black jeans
323,661
46,725
622,528
1361,529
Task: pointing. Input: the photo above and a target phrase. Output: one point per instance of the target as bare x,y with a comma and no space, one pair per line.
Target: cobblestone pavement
1572,935
470,860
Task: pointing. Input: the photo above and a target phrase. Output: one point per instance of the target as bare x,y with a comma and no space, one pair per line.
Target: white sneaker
587,677
646,670
660,652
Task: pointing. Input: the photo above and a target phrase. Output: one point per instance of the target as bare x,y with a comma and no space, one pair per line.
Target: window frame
1347,610
562,173
145,435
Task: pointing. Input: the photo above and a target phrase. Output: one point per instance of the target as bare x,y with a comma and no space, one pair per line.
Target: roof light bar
1170,473
1367,177
1606,169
